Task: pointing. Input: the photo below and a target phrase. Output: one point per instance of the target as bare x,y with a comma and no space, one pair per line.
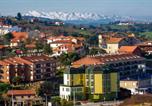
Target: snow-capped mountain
70,16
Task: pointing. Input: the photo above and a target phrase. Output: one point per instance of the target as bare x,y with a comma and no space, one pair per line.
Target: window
62,89
48,70
68,83
38,76
67,76
79,89
48,64
67,89
38,71
38,65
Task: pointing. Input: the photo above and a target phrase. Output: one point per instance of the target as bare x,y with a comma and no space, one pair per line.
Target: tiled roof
128,49
114,40
24,60
20,92
3,63
19,36
2,46
30,46
62,41
103,59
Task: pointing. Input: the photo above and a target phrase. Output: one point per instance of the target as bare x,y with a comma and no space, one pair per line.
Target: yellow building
91,82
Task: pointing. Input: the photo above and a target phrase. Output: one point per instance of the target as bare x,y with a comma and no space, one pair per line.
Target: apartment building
29,68
126,64
91,82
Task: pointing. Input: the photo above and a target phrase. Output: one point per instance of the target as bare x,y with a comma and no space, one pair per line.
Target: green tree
39,45
8,36
16,80
46,88
22,47
68,58
47,49
19,16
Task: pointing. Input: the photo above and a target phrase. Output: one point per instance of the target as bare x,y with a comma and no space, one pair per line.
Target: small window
67,89
48,64
38,65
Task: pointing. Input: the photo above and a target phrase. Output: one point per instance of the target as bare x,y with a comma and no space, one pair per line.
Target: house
126,64
66,44
4,29
17,38
146,49
29,68
112,44
22,97
89,83
137,85
130,49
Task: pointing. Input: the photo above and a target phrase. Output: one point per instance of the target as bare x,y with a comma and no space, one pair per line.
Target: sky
106,7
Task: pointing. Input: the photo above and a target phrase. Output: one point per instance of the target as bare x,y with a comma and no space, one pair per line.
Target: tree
8,36
39,45
68,58
47,49
46,88
19,16
22,47
16,80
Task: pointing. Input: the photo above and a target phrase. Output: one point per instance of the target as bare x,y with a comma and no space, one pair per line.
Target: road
110,103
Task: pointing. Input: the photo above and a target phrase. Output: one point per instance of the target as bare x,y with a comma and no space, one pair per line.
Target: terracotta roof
20,92
2,46
3,63
114,40
19,36
30,46
128,49
103,59
62,41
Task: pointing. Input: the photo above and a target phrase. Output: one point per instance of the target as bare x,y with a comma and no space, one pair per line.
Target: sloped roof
21,92
114,40
128,49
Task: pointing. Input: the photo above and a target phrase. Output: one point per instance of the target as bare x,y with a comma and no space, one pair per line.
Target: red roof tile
20,92
127,49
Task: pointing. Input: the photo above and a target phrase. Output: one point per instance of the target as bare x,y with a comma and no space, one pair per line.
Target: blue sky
107,7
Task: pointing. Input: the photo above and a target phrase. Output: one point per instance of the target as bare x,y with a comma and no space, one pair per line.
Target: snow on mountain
67,15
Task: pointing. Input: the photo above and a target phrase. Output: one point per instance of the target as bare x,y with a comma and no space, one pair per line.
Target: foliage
67,59
46,88
19,16
4,87
8,36
39,45
17,80
95,51
47,49
66,103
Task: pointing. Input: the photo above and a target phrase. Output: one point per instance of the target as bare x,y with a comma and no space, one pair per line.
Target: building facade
89,83
29,68
127,65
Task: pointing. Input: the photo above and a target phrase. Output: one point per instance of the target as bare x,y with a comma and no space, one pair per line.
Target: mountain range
77,17
82,18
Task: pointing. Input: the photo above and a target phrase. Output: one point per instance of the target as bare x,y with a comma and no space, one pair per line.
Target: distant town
47,62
